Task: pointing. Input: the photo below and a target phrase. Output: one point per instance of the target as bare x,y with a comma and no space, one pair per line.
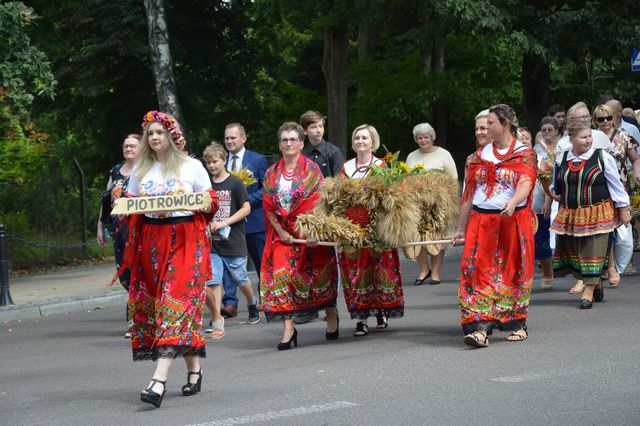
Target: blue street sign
635,60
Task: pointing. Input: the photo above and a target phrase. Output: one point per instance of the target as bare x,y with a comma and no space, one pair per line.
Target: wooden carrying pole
320,243
417,243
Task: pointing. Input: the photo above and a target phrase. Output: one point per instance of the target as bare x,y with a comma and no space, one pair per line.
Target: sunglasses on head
603,119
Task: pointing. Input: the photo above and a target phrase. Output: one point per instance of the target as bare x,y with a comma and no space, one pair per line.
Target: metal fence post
5,295
83,214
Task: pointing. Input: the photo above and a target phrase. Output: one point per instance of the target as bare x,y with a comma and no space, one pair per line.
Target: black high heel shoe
598,294
192,388
334,334
283,346
151,397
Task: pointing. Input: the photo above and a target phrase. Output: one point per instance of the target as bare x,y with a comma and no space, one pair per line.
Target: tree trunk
367,44
535,90
432,59
161,59
367,37
440,122
334,67
426,45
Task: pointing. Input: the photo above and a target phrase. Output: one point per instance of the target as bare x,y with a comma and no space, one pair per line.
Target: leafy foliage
24,69
259,62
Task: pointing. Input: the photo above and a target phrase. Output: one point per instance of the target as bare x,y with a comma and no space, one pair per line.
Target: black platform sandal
362,329
192,388
382,321
151,397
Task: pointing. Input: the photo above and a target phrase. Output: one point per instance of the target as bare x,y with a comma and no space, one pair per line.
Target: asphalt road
577,368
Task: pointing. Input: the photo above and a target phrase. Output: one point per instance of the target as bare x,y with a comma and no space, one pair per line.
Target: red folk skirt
496,270
167,290
372,284
296,279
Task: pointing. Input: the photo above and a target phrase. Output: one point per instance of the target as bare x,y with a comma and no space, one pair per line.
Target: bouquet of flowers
545,172
396,171
635,202
246,175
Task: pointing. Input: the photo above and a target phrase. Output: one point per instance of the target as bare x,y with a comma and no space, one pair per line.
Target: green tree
24,68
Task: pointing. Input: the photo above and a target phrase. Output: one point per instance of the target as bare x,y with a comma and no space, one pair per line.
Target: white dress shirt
240,156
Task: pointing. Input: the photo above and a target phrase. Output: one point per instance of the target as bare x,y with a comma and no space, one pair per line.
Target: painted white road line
272,415
527,377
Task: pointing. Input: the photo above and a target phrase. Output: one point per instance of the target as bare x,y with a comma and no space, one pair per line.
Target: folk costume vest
583,183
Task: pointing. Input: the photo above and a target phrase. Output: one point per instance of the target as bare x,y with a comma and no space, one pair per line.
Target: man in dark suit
239,157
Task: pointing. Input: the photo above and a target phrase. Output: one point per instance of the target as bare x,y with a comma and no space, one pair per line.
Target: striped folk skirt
583,241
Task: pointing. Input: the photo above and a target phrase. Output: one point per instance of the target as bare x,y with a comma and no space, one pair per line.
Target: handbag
105,202
623,247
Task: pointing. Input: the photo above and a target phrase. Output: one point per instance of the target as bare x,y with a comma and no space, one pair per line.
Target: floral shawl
520,162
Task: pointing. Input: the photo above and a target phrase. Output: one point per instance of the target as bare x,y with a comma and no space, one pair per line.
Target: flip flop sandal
382,322
362,329
477,339
518,335
217,332
576,289
614,282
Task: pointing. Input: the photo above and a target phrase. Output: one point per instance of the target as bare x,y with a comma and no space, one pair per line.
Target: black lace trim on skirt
272,316
168,351
489,326
389,313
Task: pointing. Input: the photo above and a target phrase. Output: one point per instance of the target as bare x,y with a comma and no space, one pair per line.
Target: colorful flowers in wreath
395,171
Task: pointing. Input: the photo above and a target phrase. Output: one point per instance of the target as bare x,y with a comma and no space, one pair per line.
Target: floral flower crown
168,124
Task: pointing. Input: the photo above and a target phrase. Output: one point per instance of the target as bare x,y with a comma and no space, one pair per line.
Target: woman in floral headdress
496,222
372,282
295,278
168,254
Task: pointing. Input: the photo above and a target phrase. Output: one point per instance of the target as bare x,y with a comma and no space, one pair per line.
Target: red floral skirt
496,271
167,291
296,279
372,284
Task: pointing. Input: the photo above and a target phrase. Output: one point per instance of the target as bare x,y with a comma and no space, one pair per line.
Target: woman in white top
431,157
593,202
168,254
496,223
547,151
372,282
